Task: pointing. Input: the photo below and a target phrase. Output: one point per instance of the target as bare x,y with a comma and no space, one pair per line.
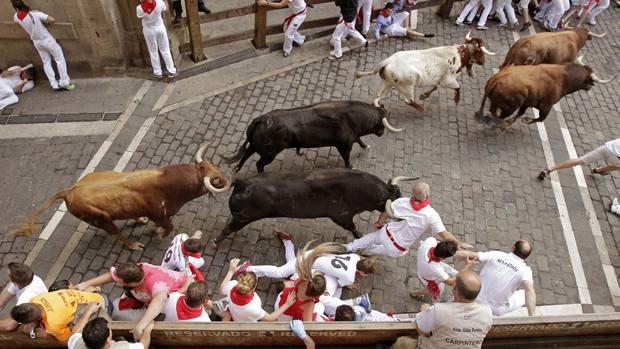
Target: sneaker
296,44
364,302
176,20
500,25
525,26
468,22
460,24
243,268
538,19
286,54
429,35
172,75
204,9
332,56
69,87
591,21
543,174
493,18
482,27
157,76
615,206
515,26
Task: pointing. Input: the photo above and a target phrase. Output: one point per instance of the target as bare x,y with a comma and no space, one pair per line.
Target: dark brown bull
537,86
549,48
103,197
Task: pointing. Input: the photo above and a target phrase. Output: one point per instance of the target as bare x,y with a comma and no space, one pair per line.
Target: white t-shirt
36,287
413,223
426,320
502,274
614,146
153,19
251,312
174,258
296,6
76,342
342,267
435,271
15,80
172,306
34,25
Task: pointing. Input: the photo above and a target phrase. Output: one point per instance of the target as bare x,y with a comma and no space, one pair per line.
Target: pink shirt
156,279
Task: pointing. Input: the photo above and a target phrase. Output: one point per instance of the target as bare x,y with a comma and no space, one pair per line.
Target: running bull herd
538,71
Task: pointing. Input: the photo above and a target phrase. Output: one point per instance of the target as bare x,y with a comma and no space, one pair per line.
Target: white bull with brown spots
434,67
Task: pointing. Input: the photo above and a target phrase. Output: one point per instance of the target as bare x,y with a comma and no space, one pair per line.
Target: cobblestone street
483,181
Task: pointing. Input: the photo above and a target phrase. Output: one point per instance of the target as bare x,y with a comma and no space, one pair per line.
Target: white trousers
332,302
503,8
48,49
342,30
597,10
366,7
544,10
282,272
556,11
127,314
157,42
7,95
517,300
377,243
291,32
488,5
398,28
377,316
469,11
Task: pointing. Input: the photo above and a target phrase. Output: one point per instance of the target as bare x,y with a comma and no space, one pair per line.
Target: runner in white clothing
507,282
345,26
608,152
14,81
416,217
243,303
297,9
189,307
34,23
24,286
365,6
156,36
183,251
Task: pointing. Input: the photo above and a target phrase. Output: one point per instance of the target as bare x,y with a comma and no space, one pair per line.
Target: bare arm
99,280
448,236
308,310
154,308
5,297
309,342
50,20
145,339
185,286
382,219
276,314
281,4
530,297
83,320
232,267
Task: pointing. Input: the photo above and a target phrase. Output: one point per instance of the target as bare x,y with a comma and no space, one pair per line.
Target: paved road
482,180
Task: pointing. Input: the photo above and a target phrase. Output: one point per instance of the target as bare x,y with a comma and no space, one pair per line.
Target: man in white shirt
14,81
188,307
156,36
461,324
34,23
24,286
183,252
432,271
415,217
507,282
608,152
297,10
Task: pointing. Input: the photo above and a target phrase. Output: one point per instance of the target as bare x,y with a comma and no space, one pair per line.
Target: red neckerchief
148,7
21,76
184,312
129,303
21,14
418,205
197,274
240,299
431,255
188,254
433,287
383,13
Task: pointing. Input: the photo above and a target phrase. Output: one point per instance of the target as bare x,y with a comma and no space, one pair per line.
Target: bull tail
28,227
245,150
480,117
378,69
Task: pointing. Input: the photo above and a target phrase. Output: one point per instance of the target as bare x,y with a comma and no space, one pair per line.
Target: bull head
475,52
213,180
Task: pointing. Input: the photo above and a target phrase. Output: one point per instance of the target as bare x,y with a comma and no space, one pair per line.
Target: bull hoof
213,243
160,232
424,96
142,220
417,106
527,120
135,246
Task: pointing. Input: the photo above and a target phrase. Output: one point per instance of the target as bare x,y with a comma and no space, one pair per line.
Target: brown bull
549,48
536,86
103,197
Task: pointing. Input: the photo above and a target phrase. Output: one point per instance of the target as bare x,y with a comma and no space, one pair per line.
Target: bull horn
201,151
599,80
388,208
487,52
390,128
468,36
579,60
597,35
399,179
211,188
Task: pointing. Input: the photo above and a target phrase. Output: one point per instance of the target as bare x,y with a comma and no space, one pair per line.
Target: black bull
338,194
337,123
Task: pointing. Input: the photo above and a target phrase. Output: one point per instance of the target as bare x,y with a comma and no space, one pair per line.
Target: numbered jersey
343,267
174,258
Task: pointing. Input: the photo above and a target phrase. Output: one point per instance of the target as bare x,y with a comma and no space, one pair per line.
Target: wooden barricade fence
580,331
261,29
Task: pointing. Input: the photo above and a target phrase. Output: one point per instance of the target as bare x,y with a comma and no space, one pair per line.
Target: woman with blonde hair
243,302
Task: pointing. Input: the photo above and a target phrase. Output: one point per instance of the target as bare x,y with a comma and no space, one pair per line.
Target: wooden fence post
260,27
193,25
444,9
